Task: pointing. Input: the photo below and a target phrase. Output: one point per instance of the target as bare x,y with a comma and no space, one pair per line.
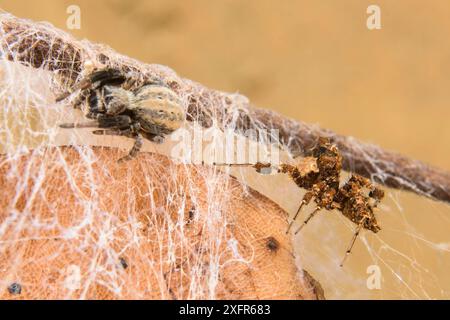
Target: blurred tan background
315,61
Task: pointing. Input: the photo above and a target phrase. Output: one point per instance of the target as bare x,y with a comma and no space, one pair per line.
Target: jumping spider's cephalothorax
151,111
319,174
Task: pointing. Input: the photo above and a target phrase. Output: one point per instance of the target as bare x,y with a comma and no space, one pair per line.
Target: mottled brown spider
319,174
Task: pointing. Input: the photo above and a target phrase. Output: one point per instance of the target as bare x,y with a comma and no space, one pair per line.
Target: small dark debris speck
123,263
191,215
272,244
15,288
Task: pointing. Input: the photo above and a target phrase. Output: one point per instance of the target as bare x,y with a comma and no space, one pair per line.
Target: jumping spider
151,111
319,175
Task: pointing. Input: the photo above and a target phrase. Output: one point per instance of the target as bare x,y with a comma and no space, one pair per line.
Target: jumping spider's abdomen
159,109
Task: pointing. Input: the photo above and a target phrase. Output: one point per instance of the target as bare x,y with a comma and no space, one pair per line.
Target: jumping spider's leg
125,133
317,209
87,124
352,242
135,150
113,132
119,121
129,83
105,76
157,139
80,99
131,131
102,121
305,201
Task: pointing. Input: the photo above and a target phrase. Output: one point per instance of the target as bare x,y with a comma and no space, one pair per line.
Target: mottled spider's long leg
305,201
352,242
258,166
307,219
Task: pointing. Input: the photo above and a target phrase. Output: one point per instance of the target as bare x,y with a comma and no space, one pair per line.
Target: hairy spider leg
131,132
232,164
312,214
114,132
134,150
80,99
106,76
125,133
158,139
305,201
102,121
82,85
87,124
258,166
352,242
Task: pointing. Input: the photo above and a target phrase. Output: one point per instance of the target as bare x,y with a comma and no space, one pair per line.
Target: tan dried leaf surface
146,229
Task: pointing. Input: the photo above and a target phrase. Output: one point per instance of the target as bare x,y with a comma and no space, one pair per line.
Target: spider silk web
75,224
